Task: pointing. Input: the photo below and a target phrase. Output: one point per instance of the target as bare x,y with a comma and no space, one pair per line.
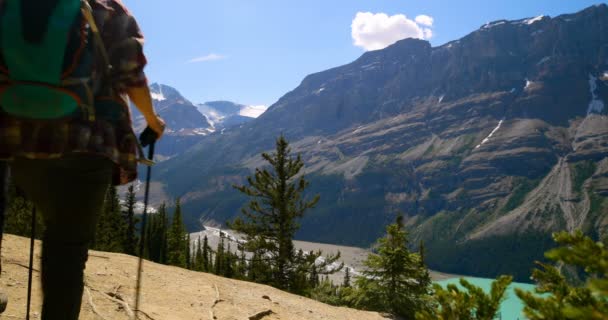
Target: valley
487,144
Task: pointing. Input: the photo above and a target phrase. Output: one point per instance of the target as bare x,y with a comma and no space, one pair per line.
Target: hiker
65,125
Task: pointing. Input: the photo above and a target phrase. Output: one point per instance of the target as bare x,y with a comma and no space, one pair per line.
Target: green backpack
51,79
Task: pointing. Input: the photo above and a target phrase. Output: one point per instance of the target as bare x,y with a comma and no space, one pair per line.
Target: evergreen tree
228,263
111,226
163,234
176,238
156,235
219,256
198,256
188,252
206,255
211,267
326,292
469,304
314,277
129,216
346,282
271,218
241,271
558,298
255,269
395,280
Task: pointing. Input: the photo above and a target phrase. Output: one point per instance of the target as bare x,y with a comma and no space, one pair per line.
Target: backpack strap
88,15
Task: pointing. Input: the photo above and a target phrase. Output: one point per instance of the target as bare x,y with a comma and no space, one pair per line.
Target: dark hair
35,18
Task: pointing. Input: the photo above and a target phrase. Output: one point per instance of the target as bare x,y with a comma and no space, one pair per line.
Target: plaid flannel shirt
114,140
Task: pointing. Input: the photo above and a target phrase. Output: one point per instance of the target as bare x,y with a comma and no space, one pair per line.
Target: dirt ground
168,292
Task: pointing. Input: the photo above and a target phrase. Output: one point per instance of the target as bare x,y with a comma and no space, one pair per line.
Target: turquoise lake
511,308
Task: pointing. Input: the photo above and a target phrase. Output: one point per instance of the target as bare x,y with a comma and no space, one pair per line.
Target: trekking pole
147,138
31,267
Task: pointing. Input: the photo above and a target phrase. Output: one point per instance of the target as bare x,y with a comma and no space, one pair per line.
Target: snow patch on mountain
533,20
253,111
157,96
528,85
490,135
493,24
203,131
212,114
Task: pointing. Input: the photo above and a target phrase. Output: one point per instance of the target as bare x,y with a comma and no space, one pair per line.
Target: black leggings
69,193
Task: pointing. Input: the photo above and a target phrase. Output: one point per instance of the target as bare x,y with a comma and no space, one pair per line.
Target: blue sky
255,51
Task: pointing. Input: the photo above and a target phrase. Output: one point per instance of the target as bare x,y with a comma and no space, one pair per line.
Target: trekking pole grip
148,138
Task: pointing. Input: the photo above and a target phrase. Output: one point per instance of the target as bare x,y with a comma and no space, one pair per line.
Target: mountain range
486,144
187,123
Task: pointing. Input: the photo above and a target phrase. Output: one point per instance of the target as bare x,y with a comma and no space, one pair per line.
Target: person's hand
157,125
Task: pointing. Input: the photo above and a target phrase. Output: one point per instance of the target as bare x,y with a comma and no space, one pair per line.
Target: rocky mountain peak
162,92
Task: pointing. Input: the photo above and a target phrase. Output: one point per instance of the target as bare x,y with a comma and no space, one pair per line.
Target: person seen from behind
65,125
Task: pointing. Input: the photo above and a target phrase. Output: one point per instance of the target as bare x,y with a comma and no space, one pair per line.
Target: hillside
168,292
487,143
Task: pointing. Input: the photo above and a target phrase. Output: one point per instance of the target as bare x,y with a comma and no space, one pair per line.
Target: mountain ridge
494,138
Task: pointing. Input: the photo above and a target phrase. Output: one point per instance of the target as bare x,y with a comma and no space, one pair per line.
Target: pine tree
156,235
198,256
558,298
346,282
206,253
176,238
241,271
472,303
211,267
188,252
219,256
111,226
163,234
228,264
326,292
394,280
271,218
129,216
256,271
314,277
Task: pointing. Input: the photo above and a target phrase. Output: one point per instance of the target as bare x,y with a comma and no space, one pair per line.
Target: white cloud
428,33
207,58
425,20
377,31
